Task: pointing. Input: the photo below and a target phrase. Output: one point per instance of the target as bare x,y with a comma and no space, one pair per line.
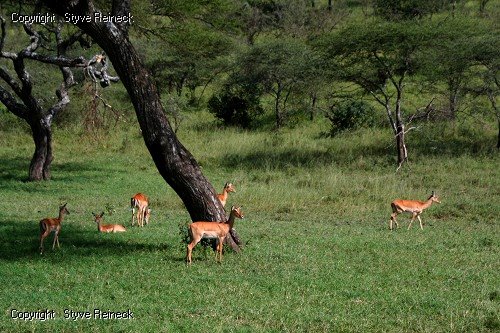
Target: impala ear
93,214
102,214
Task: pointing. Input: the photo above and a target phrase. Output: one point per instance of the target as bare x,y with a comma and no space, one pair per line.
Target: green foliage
350,115
235,107
281,68
410,9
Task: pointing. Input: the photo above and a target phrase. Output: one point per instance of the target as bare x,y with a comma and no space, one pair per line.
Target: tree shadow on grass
364,155
16,170
296,157
13,169
20,242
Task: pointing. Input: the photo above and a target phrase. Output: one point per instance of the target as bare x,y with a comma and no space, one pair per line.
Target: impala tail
141,202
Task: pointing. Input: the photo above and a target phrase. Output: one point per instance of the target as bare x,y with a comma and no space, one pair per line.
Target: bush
350,115
236,108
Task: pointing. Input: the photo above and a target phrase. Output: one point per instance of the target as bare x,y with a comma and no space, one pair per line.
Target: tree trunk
174,162
42,157
314,98
401,145
400,128
498,138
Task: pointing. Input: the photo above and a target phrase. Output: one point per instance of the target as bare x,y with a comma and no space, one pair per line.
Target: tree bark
42,157
174,162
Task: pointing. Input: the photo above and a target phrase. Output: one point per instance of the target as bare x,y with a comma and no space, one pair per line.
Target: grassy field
318,254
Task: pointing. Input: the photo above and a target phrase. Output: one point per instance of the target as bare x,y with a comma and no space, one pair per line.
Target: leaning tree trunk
174,162
42,157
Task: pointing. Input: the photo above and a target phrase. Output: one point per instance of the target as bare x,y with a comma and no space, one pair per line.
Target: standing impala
107,227
219,230
228,187
411,206
48,225
141,202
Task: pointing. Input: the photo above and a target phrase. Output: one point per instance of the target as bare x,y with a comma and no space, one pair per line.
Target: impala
219,230
107,227
48,225
228,187
141,202
411,206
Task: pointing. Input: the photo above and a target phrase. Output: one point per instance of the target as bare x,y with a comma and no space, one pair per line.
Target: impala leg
221,247
42,237
412,219
420,220
190,247
393,218
55,240
133,216
140,216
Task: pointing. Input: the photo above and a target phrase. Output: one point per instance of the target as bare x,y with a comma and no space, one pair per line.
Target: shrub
235,107
350,115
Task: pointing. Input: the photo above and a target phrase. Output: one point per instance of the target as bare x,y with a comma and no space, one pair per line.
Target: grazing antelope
107,227
228,187
411,206
141,202
48,225
219,230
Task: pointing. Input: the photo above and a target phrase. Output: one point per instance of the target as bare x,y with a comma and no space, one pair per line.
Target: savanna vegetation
319,112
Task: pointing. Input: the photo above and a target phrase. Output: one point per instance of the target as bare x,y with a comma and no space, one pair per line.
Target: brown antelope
219,230
107,227
411,206
48,225
228,187
141,202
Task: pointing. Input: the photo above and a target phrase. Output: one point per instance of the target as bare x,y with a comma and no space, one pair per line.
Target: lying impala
141,202
228,187
107,227
411,206
219,230
48,225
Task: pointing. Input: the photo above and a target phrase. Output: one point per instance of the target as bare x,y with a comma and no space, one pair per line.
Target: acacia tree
16,90
379,56
280,68
460,44
174,162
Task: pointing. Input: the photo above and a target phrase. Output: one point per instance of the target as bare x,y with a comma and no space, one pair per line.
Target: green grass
318,254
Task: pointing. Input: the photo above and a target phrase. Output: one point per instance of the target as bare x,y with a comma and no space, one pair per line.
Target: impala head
236,211
434,197
63,209
98,217
228,187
